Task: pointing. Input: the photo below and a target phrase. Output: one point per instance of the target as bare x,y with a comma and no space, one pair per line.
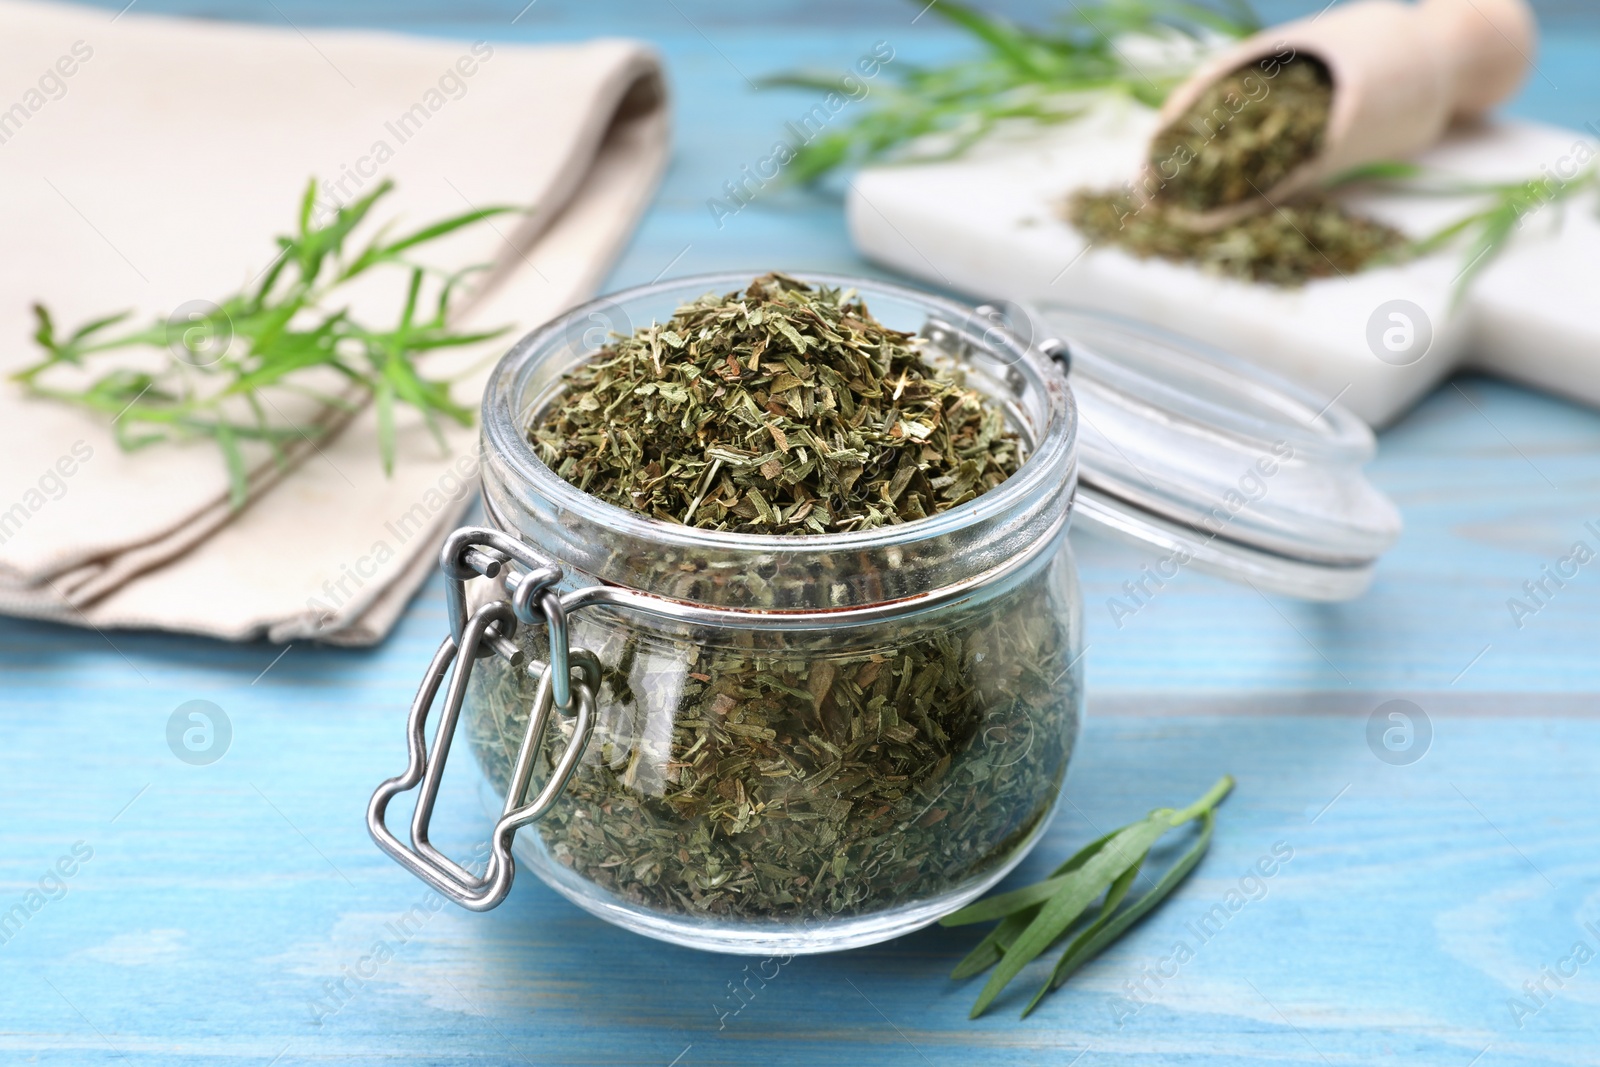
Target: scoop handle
1488,47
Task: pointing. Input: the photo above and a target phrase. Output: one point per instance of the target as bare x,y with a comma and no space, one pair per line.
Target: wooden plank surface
222,903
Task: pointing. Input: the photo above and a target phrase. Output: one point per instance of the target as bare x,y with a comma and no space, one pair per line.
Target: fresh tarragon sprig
1486,230
218,366
1036,917
928,114
1024,73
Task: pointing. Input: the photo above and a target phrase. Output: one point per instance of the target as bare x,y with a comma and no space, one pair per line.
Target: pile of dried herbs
777,409
1242,136
1299,241
760,774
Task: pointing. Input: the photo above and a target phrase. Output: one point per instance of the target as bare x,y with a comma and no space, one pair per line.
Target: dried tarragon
783,779
795,776
780,408
1244,135
1299,241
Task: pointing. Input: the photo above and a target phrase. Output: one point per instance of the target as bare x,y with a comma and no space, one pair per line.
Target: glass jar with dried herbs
772,642
821,621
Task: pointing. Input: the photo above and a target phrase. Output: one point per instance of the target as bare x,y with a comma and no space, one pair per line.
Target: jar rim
1053,444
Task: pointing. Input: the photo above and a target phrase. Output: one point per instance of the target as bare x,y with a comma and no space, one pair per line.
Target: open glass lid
1217,463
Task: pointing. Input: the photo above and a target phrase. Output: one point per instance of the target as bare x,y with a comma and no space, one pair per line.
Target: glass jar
775,744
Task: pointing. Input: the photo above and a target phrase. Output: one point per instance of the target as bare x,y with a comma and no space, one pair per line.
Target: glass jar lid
1215,461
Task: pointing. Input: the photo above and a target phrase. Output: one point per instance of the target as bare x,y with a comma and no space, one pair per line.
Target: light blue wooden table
220,905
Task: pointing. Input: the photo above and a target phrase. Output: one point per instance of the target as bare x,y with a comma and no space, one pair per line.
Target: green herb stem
1207,802
1114,924
1034,918
233,353
1026,74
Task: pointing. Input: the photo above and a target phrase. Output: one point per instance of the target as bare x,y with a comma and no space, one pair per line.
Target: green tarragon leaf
272,337
1034,918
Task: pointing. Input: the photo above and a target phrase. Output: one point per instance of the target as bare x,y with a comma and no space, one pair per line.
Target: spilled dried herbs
778,409
744,773
1295,243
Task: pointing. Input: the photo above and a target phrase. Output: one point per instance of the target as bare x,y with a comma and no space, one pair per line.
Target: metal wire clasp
468,553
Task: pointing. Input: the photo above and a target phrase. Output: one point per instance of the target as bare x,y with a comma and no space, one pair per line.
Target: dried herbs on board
750,774
1245,134
1299,241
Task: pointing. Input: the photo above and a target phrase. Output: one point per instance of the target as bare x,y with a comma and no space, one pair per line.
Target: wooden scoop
1400,72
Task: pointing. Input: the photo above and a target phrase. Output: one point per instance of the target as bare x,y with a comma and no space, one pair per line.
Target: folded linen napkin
147,162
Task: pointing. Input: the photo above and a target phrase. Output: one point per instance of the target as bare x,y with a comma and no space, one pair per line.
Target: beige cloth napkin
146,162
